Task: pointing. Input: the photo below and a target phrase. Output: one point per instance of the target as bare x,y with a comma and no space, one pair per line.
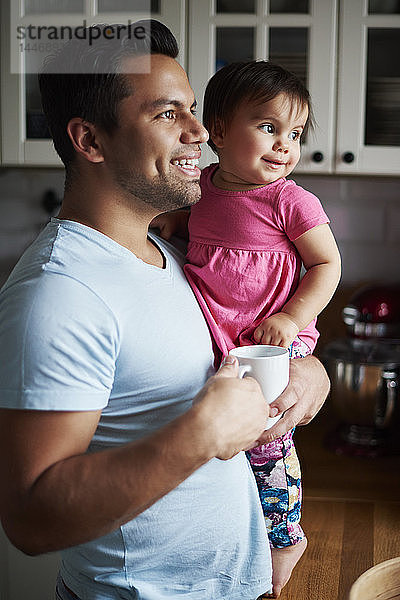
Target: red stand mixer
364,369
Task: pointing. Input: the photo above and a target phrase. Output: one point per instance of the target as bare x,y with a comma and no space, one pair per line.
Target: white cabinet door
368,139
24,139
299,35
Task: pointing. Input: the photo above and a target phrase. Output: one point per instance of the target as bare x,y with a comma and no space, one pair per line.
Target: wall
24,576
21,213
365,218
365,214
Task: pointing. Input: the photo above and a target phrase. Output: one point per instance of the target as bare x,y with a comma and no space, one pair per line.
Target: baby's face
262,142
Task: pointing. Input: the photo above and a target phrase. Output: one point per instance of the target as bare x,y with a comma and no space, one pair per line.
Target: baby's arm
321,259
172,223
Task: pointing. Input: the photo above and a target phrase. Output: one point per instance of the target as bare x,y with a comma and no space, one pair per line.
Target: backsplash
364,213
365,219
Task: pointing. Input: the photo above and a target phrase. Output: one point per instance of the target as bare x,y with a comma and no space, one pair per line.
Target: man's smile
188,165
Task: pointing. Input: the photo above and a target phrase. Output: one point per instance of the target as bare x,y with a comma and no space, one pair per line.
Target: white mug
269,365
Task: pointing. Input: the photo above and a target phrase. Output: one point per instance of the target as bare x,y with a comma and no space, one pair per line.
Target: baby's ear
217,134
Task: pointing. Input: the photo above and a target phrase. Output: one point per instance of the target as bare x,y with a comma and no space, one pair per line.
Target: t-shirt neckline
113,245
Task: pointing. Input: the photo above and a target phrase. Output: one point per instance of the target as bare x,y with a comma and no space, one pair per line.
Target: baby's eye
267,128
294,135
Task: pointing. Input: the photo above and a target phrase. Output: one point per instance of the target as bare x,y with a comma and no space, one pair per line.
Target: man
104,454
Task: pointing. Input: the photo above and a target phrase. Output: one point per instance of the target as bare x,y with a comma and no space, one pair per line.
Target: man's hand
235,409
302,399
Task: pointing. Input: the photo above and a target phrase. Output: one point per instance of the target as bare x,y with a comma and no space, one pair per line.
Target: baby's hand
276,330
172,223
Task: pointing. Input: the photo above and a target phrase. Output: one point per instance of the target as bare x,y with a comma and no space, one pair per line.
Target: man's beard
163,193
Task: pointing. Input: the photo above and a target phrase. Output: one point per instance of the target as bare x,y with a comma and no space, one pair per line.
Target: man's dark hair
255,81
94,85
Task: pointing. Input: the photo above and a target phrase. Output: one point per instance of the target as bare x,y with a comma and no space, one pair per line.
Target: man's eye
168,114
294,135
267,128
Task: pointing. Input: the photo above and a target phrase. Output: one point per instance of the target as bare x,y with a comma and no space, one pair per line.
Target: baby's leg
277,472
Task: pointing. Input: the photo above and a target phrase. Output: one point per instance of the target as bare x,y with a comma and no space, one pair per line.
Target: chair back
381,582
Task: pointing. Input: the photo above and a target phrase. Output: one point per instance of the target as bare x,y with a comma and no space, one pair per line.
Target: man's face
153,154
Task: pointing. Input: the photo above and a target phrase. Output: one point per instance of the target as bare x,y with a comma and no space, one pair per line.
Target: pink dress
242,263
243,267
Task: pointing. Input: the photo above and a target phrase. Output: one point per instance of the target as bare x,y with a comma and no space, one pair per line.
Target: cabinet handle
348,157
317,156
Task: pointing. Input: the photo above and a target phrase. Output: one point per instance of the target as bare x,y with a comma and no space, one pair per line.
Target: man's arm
300,402
53,495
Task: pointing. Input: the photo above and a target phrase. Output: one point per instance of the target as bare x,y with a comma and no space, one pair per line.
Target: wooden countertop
351,515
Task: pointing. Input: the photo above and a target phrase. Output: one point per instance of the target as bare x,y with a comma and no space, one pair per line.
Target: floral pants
277,472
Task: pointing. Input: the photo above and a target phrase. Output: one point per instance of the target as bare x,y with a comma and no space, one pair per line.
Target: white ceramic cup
269,365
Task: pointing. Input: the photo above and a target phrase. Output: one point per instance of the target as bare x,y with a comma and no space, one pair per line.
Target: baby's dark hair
255,81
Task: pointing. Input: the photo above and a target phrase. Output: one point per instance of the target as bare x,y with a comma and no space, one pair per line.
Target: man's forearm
86,496
55,495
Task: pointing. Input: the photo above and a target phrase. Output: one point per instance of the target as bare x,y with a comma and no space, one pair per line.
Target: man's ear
83,136
217,134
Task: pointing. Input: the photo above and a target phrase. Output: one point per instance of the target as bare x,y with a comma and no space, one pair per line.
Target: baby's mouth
274,163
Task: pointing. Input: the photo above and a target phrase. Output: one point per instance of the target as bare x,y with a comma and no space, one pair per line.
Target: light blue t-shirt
85,325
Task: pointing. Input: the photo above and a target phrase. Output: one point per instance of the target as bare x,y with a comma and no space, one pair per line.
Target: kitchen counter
350,515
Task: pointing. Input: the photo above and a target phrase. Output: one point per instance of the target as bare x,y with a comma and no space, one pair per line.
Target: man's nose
194,132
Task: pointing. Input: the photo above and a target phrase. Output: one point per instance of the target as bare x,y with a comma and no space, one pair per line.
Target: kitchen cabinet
24,136
300,35
368,113
345,50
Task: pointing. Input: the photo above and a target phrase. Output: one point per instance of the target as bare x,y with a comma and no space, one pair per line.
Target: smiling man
103,453
153,155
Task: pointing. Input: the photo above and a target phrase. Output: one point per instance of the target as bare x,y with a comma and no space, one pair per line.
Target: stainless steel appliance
364,369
